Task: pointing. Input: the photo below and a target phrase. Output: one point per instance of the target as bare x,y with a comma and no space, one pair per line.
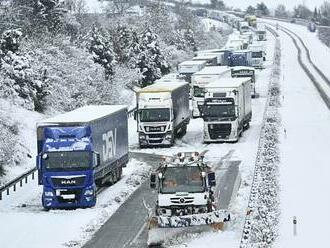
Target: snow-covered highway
304,170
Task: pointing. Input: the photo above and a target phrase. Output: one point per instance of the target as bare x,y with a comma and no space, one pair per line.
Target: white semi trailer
189,67
162,113
227,109
200,80
258,55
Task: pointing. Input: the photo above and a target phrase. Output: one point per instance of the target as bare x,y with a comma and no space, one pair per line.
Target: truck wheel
247,126
119,172
184,130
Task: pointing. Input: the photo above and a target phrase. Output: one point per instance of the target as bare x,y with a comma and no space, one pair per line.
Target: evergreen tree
146,56
27,84
280,11
101,48
250,10
262,8
121,40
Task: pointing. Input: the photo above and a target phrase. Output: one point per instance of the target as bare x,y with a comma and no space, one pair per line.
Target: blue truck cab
78,151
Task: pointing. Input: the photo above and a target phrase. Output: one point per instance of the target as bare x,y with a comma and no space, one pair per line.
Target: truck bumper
159,139
68,198
221,132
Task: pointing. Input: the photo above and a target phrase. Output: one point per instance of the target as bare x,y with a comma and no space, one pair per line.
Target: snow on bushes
10,150
260,229
19,79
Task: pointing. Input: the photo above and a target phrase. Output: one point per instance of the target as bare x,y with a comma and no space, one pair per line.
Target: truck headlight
168,136
142,136
89,192
49,193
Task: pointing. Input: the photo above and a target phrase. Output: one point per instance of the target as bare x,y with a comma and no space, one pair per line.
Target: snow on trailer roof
238,68
84,114
204,57
193,62
227,82
162,87
212,70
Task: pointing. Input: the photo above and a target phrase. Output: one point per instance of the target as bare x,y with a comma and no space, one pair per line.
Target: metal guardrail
19,180
25,176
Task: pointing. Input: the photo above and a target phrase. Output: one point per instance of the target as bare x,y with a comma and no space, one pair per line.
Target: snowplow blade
162,229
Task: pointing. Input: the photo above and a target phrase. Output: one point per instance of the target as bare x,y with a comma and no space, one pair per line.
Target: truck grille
154,129
219,130
72,181
65,196
182,200
156,136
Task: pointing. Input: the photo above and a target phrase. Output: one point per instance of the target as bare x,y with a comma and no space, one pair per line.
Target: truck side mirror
38,164
211,179
96,160
153,180
135,114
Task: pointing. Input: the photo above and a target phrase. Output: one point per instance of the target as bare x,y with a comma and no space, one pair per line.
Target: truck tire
247,126
184,130
119,172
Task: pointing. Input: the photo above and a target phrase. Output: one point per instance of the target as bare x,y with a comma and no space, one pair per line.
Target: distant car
293,20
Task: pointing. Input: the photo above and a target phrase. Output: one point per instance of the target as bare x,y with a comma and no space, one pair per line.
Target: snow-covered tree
262,9
18,77
121,37
146,56
102,50
301,11
281,11
250,10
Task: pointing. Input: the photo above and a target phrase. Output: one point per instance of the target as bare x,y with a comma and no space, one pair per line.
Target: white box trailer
171,77
227,109
244,27
245,72
211,59
222,55
162,113
200,80
189,67
258,55
235,44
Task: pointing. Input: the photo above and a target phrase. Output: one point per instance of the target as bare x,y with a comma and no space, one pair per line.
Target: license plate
68,197
58,191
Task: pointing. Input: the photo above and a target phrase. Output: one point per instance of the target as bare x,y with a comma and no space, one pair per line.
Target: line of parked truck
86,148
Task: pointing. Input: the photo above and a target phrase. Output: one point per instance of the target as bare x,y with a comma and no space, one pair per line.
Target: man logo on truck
109,146
68,182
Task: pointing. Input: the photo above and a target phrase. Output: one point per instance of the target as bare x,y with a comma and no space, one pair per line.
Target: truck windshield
69,160
182,179
199,92
256,54
219,110
156,114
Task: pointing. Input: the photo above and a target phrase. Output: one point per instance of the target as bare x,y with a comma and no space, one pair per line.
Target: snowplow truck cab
184,185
